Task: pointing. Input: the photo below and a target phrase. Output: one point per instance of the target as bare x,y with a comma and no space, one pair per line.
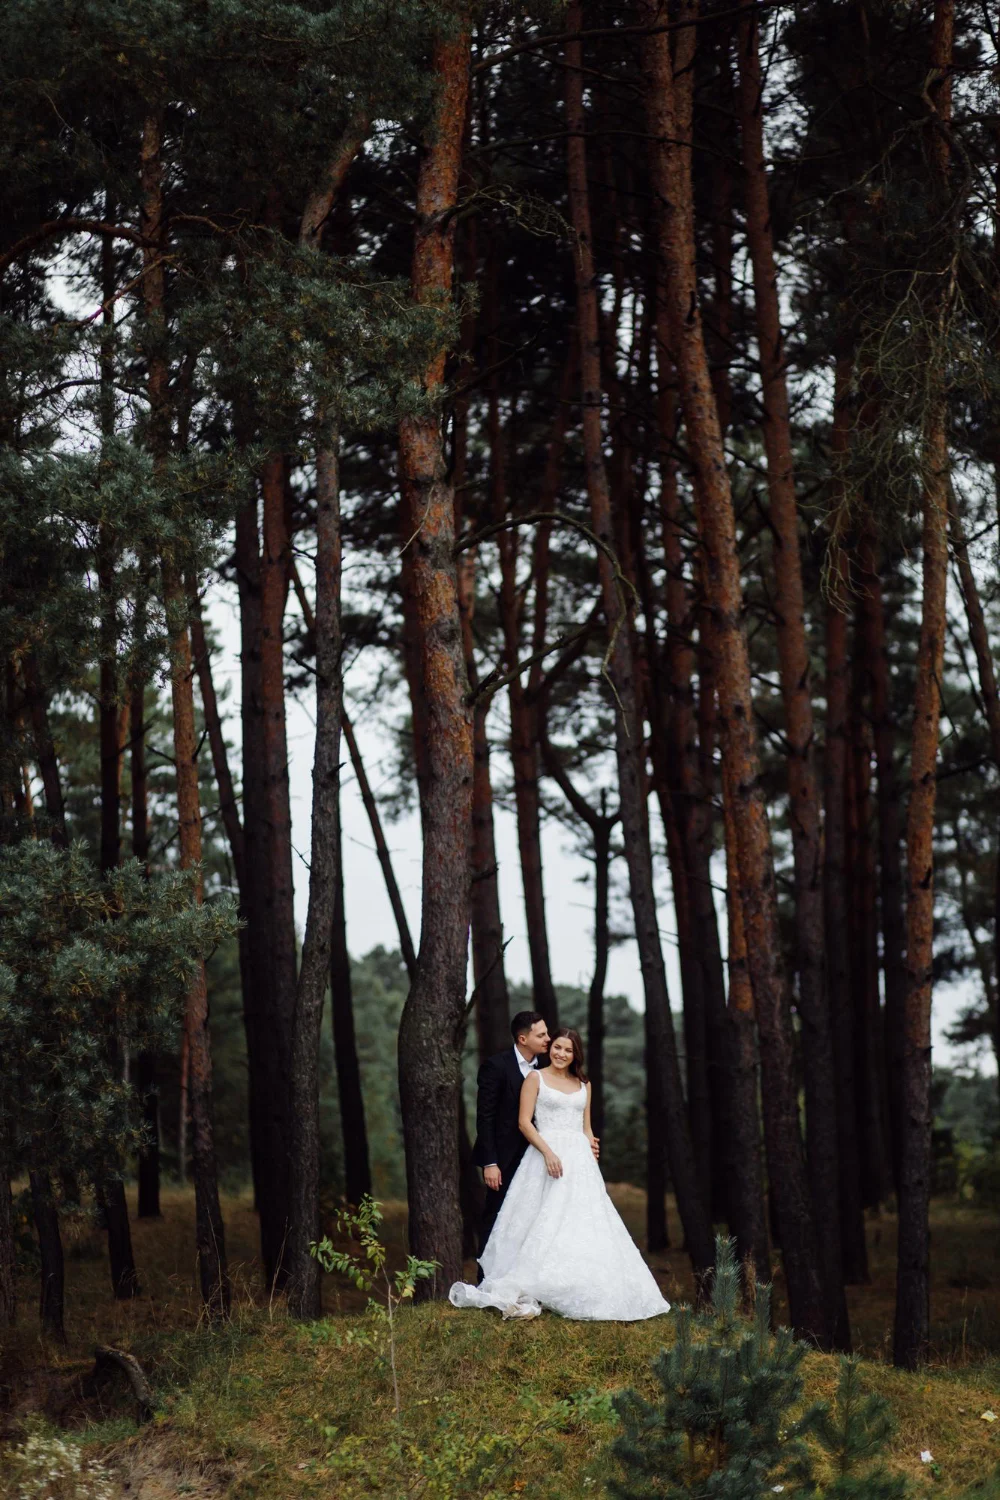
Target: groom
499,1143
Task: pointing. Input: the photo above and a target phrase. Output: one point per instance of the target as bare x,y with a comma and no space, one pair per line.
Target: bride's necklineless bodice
556,1110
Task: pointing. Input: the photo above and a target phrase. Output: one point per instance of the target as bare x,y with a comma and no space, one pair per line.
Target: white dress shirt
526,1064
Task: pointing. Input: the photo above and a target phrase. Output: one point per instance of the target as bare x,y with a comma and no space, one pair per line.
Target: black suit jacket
497,1105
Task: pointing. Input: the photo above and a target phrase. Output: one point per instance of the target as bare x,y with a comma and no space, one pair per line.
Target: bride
558,1241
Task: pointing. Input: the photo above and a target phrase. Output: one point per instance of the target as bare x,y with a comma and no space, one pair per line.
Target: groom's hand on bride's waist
492,1178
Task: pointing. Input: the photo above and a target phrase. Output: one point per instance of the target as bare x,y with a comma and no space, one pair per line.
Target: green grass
271,1410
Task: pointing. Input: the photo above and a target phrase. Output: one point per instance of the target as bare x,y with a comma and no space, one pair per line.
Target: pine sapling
854,1433
728,1421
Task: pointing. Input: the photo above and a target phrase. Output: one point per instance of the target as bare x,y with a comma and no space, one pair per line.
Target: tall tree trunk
431,1028
602,945
854,1249
406,947
304,1299
52,1298
268,1094
979,636
354,1130
488,972
601,825
209,1234
911,1334
357,1167
748,1212
666,1097
209,1231
852,1221
793,658
124,1279
890,803
277,892
671,181
869,1072
228,804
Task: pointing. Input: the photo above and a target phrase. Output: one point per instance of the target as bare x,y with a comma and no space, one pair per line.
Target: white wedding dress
558,1242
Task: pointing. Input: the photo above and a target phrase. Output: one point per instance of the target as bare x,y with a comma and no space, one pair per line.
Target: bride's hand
553,1165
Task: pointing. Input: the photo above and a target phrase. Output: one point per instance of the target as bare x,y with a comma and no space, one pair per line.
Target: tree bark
228,804
595,994
406,947
354,1130
835,873
488,972
671,182
268,1094
911,1334
209,1230
874,655
666,1098
748,1213
991,704
793,658
304,1299
869,1072
601,825
357,1167
52,1299
277,892
431,1028
854,1251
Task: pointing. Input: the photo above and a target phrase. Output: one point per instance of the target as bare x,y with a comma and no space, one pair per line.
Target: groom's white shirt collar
526,1064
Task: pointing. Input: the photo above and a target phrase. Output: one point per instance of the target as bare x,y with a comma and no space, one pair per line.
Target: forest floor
271,1410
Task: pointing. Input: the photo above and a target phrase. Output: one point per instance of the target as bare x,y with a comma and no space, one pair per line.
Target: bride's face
561,1053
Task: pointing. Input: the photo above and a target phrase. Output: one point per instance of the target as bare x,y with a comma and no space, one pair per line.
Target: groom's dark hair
523,1021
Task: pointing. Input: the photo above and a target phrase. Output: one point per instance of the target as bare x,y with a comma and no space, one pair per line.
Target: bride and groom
550,1235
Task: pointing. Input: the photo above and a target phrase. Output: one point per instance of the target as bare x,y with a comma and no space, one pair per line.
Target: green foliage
89,966
854,1433
727,1423
370,1274
730,1423
456,1462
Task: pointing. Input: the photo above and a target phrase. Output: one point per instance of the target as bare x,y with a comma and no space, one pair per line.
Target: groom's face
535,1041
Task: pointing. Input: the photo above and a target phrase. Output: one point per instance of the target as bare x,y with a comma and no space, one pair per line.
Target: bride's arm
588,1129
529,1094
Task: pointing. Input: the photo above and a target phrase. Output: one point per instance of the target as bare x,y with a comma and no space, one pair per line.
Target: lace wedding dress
558,1242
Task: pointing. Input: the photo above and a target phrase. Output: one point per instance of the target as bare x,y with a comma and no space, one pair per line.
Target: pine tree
727,1422
854,1433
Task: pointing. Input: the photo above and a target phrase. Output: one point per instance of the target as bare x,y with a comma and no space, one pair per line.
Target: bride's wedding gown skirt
558,1242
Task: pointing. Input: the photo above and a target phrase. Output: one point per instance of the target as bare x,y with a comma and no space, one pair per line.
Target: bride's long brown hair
576,1067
